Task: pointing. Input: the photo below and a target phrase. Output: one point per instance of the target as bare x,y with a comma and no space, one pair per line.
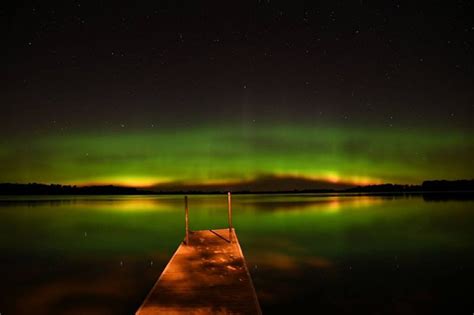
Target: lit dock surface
208,276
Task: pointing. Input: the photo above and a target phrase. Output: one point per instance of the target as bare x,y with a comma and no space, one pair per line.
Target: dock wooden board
208,276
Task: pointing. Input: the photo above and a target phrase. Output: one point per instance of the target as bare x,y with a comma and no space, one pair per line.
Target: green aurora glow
233,153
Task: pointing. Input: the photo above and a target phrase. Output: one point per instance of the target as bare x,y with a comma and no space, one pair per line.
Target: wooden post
186,218
229,207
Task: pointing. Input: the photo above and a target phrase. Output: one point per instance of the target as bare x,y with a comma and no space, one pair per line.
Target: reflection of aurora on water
108,251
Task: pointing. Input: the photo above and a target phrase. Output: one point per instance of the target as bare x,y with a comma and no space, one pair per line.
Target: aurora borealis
202,155
178,94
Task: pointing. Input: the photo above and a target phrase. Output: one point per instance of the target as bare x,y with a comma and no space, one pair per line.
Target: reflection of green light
297,224
206,154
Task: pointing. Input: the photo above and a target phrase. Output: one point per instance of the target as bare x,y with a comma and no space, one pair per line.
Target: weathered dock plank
208,276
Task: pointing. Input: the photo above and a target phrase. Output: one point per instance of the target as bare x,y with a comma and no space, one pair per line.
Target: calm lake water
336,254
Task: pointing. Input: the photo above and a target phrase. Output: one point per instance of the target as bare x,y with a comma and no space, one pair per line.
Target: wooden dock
206,276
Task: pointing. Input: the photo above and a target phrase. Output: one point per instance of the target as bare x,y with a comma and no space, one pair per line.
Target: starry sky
265,93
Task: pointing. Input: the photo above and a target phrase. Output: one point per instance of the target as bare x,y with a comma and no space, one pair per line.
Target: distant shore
433,187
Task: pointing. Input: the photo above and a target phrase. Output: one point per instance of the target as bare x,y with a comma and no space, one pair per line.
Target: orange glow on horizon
334,178
149,182
137,182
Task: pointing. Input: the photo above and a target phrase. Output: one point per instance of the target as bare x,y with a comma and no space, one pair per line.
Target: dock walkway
206,276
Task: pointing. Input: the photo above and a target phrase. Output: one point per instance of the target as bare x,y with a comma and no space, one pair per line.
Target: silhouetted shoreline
433,187
55,189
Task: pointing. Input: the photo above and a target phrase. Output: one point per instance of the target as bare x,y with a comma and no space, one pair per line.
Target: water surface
336,254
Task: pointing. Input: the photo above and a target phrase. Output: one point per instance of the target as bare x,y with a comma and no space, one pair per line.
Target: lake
332,254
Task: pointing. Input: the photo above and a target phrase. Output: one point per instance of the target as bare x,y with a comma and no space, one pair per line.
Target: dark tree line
54,189
426,186
42,189
448,185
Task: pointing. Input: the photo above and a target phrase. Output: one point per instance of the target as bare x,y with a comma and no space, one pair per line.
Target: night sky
220,93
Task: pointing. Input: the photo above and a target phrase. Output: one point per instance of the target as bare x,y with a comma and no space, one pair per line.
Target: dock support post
229,207
186,215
